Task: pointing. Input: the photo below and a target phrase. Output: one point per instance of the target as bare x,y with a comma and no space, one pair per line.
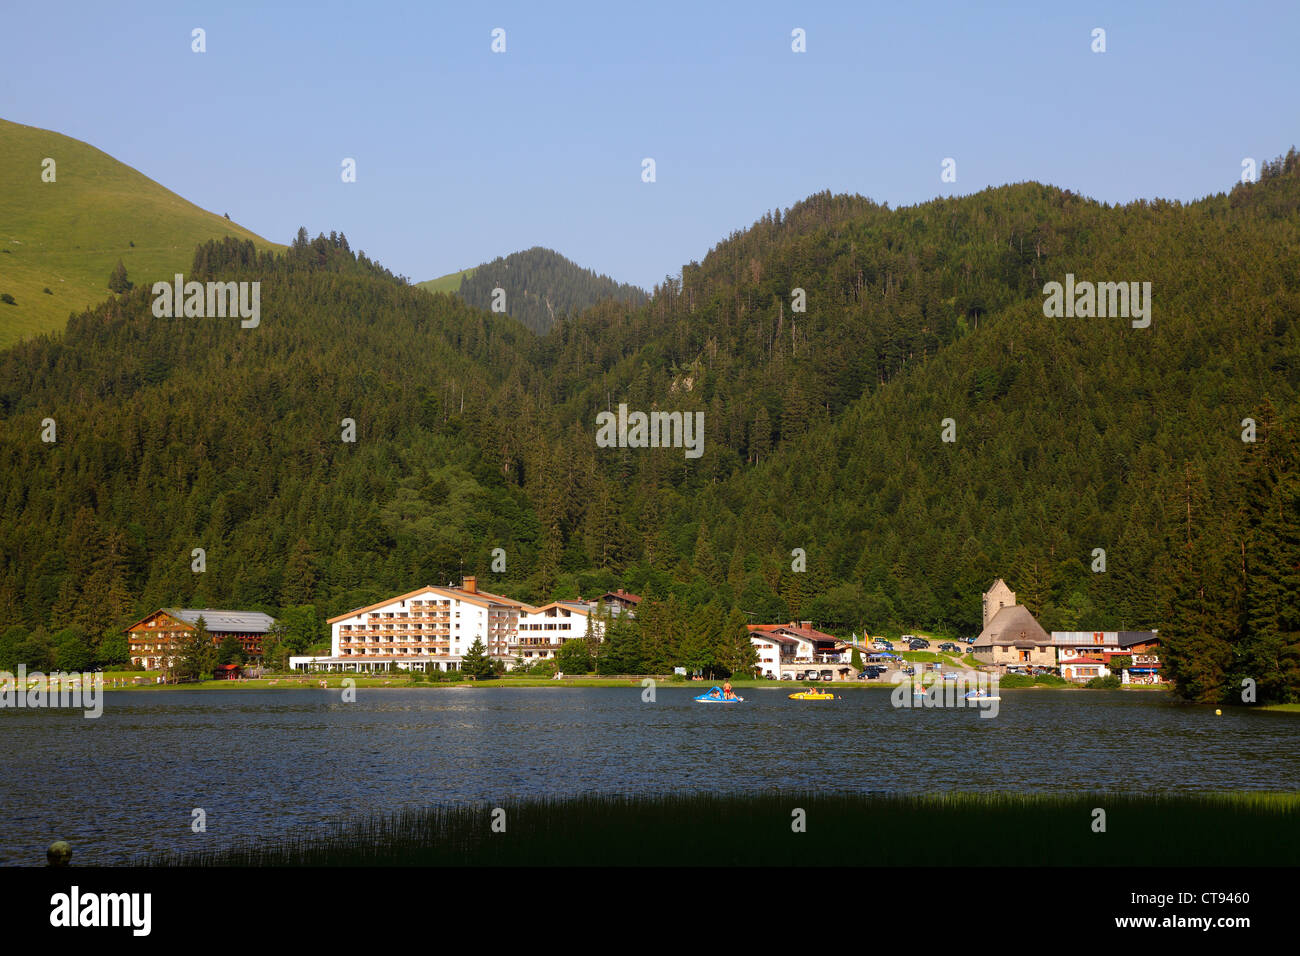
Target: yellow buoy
1218,713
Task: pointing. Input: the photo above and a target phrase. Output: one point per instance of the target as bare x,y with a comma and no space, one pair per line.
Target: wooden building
620,601
155,640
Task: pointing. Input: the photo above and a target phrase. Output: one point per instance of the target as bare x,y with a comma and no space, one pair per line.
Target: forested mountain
824,432
70,213
540,286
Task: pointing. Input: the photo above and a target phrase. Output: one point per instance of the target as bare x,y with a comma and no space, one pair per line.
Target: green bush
574,658
1052,680
1104,683
536,669
1038,680
1016,680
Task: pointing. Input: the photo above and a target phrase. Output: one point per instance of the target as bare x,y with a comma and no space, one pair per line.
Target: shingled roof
1013,625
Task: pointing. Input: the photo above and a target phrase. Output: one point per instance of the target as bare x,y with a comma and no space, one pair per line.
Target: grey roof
1129,638
1069,638
1086,638
239,622
1013,625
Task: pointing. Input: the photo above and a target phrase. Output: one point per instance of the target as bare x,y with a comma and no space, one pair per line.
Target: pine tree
196,655
299,576
1204,596
760,436
736,654
1269,653
476,663
230,651
118,282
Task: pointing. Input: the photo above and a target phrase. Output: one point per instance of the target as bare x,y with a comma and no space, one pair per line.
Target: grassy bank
1229,829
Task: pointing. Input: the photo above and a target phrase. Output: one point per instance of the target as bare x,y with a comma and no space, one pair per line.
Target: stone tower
996,598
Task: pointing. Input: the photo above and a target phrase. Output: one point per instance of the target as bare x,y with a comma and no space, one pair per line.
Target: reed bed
842,829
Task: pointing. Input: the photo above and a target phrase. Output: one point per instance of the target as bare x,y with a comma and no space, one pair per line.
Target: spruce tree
476,663
118,282
196,653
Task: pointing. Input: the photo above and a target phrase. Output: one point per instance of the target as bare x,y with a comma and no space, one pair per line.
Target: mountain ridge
824,433
67,235
537,285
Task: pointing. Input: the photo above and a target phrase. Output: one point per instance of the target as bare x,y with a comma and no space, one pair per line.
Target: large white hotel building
432,629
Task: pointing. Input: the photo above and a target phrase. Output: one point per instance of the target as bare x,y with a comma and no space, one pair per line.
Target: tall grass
684,829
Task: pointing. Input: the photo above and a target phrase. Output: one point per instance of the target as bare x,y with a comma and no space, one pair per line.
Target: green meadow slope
449,283
66,236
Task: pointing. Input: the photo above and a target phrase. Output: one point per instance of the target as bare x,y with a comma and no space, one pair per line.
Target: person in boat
727,692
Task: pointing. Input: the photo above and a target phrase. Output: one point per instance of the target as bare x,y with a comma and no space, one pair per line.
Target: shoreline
379,683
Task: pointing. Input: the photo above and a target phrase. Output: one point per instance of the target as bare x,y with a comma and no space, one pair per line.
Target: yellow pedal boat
812,695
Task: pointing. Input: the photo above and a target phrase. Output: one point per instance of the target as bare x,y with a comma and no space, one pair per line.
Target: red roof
1081,660
807,633
622,595
764,632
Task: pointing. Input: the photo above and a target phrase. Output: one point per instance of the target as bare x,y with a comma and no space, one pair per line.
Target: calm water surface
264,763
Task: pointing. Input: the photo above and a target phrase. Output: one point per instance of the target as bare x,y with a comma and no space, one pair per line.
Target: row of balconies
394,636
374,622
414,615
393,644
172,645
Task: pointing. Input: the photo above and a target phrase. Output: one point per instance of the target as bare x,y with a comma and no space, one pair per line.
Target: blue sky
463,154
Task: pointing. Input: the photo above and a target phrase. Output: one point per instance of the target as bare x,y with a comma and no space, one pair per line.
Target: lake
266,763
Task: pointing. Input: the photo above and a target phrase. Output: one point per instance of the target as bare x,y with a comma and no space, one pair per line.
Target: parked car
950,648
787,677
917,644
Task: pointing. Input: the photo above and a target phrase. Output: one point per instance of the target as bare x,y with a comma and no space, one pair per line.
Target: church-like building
1011,635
